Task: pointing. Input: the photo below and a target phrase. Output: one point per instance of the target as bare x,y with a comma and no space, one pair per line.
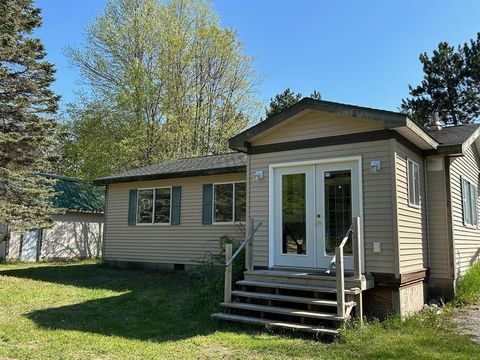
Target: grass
468,291
86,310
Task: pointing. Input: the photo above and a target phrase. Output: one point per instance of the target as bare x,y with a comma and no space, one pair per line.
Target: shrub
209,276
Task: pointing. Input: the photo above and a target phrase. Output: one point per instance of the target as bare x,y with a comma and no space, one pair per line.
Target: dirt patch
468,321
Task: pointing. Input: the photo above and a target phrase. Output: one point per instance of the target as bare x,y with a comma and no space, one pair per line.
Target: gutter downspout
451,246
104,223
427,222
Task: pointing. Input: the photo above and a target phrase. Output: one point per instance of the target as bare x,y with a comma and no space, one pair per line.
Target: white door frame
271,195
297,260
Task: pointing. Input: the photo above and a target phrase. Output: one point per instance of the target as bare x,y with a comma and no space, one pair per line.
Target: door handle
318,220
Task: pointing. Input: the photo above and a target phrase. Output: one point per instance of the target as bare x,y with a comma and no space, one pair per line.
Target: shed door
29,246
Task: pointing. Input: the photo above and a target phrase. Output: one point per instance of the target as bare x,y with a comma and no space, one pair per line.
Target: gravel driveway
468,320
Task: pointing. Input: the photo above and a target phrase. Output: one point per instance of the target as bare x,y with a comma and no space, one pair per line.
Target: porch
313,300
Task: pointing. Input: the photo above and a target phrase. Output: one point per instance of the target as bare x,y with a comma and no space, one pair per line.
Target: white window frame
153,207
409,189
233,204
472,208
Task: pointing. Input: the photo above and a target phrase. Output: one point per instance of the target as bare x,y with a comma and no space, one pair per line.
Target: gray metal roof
454,135
196,166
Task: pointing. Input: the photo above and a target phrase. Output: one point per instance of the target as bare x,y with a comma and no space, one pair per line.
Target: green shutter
132,207
207,204
176,200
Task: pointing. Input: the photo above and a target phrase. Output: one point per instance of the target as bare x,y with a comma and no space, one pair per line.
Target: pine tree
316,95
450,86
282,101
26,132
287,98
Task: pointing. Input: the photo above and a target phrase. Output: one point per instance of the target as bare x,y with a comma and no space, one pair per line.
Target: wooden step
275,323
283,311
287,298
332,290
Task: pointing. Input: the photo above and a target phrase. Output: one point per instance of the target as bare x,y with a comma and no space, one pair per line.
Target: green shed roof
77,195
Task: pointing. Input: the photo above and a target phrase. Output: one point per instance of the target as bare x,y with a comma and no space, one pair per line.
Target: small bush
209,276
468,290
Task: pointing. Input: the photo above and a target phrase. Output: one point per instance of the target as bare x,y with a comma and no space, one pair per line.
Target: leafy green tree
96,141
287,98
179,83
26,132
450,86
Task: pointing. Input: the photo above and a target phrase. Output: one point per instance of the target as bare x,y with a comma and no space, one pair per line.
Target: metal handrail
243,244
342,244
339,265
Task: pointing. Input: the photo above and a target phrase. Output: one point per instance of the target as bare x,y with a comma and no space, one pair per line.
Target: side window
413,176
229,202
469,203
145,206
223,203
154,206
240,201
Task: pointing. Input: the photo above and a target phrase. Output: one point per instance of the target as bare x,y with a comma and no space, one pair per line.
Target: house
77,232
354,210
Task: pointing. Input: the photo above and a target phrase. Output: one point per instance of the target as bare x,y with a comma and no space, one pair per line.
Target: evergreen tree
450,86
26,133
282,101
287,98
316,95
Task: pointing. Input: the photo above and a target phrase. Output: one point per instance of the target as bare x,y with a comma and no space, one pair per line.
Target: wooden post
228,274
357,249
249,247
359,309
340,282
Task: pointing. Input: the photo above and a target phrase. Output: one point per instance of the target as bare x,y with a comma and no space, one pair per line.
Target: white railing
248,245
338,261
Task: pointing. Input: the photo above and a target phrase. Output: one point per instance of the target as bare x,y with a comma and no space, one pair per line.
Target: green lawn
88,311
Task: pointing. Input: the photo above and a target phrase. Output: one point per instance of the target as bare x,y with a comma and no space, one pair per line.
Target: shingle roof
77,195
453,135
203,165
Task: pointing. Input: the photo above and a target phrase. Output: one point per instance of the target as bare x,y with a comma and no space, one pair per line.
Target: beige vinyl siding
412,222
187,243
466,239
438,222
75,235
377,197
315,124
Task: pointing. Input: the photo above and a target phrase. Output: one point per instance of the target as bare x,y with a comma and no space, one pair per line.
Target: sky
357,52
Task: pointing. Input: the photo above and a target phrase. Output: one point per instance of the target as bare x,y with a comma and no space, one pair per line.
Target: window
154,206
229,202
413,175
240,202
469,203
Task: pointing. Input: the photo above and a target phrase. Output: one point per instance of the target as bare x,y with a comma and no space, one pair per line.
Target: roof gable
314,123
386,119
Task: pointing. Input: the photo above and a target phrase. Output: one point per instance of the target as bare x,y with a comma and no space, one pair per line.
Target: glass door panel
338,209
294,214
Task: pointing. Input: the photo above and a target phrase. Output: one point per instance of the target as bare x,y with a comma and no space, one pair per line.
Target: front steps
290,300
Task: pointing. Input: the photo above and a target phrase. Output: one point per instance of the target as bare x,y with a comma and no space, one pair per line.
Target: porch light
375,166
258,175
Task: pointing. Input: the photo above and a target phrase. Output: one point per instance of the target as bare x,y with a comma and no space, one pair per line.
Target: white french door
313,206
